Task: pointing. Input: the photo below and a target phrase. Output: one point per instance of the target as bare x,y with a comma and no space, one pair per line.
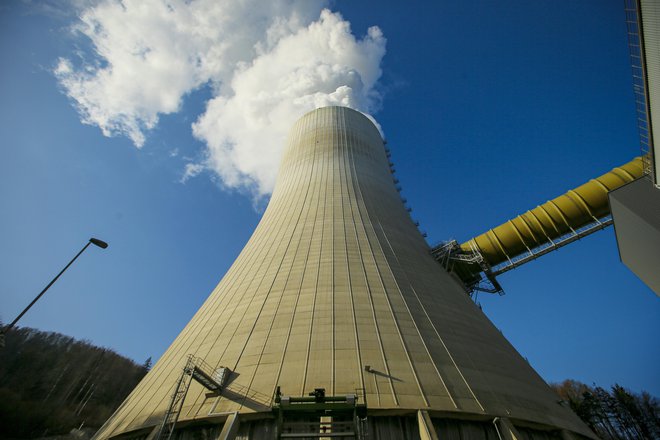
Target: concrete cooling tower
335,321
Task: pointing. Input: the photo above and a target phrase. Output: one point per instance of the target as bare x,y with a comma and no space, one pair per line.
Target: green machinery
320,416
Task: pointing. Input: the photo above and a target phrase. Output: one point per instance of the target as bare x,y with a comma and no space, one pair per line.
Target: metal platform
320,416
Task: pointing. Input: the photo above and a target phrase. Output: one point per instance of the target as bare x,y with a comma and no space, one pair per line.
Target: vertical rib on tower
336,277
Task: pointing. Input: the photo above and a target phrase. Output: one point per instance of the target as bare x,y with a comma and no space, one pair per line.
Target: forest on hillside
51,383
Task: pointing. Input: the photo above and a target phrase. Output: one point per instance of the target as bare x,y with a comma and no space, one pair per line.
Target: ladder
200,371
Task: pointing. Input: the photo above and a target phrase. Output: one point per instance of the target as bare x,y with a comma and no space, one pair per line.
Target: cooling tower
336,289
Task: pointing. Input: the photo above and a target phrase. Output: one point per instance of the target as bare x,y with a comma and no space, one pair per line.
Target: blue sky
490,109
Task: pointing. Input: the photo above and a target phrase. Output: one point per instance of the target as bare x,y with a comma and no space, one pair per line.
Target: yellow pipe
551,220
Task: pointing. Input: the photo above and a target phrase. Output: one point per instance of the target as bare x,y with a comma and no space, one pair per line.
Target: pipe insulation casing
574,209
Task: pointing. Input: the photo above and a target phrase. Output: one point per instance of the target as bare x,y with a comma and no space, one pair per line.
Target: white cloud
322,64
191,170
267,62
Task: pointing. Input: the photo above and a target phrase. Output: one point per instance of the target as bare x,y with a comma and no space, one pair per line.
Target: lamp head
100,243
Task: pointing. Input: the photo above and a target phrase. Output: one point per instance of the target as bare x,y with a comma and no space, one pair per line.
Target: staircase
195,369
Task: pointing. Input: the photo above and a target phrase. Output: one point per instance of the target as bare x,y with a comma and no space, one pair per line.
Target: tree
147,364
50,383
613,415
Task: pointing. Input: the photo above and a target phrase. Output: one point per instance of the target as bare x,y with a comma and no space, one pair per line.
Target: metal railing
639,82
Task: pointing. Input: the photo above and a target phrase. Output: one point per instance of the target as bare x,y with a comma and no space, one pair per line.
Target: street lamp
95,241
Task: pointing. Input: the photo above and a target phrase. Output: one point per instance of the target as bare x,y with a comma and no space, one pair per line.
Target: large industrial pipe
577,208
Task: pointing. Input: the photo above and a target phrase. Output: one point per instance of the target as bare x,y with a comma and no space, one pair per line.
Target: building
337,294
636,206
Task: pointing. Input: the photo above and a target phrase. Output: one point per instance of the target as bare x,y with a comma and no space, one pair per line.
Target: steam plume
266,62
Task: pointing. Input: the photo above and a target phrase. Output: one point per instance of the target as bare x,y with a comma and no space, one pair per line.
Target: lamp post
95,241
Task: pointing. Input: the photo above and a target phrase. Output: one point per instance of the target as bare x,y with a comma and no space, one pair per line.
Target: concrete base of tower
379,425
